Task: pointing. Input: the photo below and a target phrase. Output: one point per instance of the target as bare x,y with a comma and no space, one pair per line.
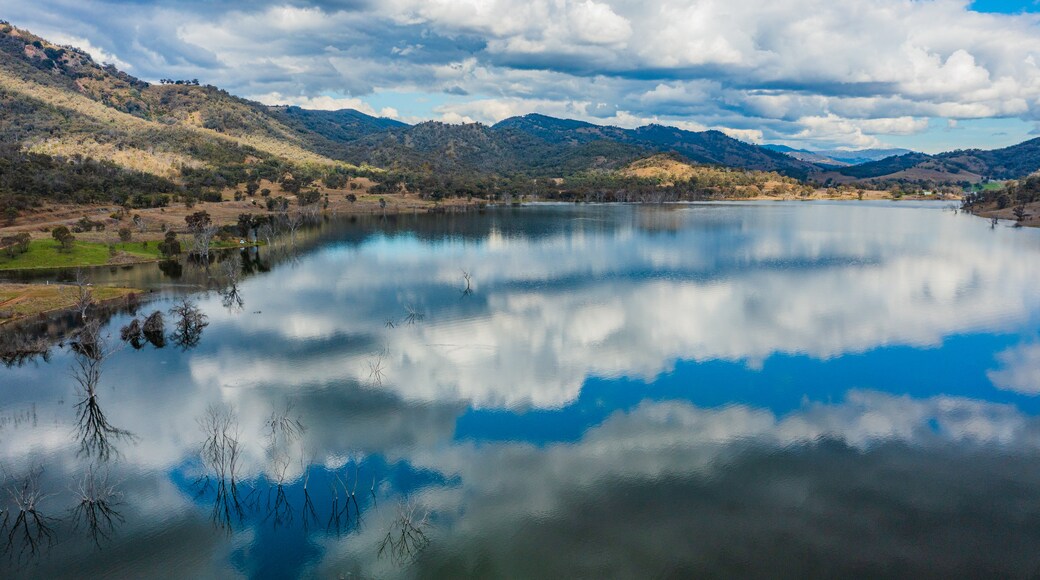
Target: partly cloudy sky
927,74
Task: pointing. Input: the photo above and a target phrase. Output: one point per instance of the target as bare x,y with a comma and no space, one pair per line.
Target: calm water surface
776,389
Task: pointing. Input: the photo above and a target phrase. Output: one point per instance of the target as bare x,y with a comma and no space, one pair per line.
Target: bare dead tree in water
339,516
265,232
221,455
292,221
335,523
30,530
413,314
469,283
283,427
189,321
96,435
96,509
376,370
406,538
279,510
81,295
230,296
310,515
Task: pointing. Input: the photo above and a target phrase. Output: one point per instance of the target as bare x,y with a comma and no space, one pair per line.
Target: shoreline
152,223
23,301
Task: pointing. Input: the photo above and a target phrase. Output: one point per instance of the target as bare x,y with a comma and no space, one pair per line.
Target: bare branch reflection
96,435
189,322
406,538
221,455
230,296
95,510
30,530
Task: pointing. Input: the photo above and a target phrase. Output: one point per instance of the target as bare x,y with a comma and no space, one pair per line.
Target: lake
729,389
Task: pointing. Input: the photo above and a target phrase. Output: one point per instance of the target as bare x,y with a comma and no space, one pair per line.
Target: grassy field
48,254
44,253
24,300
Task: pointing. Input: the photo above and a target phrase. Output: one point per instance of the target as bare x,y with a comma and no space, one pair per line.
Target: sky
930,75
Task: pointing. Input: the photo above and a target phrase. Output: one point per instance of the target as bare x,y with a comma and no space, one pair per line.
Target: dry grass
99,112
160,163
743,184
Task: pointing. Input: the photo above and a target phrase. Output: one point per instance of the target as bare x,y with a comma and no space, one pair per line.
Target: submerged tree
96,506
29,530
468,278
406,537
230,295
132,334
96,435
154,329
188,325
221,454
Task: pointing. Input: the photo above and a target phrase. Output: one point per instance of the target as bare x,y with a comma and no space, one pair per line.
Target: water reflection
28,529
694,390
96,435
97,507
221,458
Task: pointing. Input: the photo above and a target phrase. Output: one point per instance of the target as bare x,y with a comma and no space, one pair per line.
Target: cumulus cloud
326,103
1020,369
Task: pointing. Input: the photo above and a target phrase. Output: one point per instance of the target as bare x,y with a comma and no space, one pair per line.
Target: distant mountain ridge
837,157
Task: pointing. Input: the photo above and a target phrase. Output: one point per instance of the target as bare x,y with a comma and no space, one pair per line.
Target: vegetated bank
1015,200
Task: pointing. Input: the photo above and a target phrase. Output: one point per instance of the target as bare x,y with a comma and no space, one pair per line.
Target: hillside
674,172
712,147
837,157
963,166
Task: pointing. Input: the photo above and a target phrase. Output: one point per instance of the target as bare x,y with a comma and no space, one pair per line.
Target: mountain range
837,157
57,101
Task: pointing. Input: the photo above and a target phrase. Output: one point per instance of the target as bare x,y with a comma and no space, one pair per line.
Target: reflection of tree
18,348
283,428
406,538
96,507
189,322
30,530
171,268
469,283
96,435
230,295
310,515
339,517
413,314
221,454
376,369
279,510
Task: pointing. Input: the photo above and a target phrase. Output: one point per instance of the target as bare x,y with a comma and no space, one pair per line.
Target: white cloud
95,52
326,103
1020,369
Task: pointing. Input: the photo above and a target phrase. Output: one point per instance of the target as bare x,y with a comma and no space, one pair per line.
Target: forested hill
968,165
709,147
